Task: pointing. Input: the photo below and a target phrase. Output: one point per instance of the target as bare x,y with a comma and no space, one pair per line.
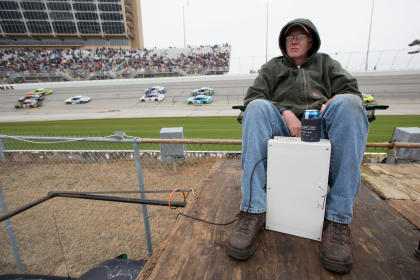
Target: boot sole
336,266
241,255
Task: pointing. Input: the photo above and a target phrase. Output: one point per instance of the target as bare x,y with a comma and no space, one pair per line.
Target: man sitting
286,86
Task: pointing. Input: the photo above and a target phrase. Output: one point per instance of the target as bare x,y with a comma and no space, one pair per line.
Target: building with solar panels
71,23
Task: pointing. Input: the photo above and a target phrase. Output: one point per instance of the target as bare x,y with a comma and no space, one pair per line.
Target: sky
342,25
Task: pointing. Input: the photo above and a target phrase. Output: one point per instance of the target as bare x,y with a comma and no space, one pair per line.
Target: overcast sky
343,25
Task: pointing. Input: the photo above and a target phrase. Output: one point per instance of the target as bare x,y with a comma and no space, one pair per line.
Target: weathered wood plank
409,209
383,241
393,181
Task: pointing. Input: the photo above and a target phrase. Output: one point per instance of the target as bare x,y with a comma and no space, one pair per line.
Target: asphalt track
120,98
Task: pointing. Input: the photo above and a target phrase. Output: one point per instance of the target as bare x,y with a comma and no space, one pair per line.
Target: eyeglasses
299,37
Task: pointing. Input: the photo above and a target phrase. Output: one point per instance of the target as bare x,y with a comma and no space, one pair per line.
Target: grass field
194,127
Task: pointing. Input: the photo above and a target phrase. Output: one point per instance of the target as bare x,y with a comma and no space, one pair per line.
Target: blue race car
157,89
199,99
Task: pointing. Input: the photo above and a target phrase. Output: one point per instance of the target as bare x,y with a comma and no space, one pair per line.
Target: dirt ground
67,237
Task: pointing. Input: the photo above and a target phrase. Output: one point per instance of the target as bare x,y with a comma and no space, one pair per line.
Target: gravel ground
69,236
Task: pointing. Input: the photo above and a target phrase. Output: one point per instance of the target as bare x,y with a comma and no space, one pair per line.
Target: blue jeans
343,122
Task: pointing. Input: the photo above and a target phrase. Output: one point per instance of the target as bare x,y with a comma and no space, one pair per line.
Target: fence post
10,233
2,158
143,196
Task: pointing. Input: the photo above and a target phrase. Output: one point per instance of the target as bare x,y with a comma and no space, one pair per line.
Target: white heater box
297,186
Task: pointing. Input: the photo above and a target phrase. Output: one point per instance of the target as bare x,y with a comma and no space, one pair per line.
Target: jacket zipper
305,86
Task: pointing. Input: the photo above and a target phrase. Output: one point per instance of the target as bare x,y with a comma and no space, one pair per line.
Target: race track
120,98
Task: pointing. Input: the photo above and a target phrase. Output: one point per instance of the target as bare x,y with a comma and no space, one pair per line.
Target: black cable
207,222
250,183
236,219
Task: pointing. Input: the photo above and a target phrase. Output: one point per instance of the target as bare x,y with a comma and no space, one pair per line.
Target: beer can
310,114
310,126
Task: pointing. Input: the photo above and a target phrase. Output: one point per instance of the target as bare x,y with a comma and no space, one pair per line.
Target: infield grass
194,127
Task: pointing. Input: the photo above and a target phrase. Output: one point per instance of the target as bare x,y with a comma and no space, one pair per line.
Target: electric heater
297,185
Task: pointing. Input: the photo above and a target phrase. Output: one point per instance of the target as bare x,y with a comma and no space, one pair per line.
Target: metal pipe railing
90,196
181,141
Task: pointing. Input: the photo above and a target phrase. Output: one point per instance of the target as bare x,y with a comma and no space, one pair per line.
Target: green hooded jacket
309,86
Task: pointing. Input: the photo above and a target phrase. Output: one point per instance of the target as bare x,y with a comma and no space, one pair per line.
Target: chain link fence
67,237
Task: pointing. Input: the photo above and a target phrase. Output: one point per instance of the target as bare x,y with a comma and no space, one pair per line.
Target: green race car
203,91
43,91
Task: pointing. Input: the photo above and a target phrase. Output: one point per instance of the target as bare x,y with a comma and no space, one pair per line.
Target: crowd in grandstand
36,60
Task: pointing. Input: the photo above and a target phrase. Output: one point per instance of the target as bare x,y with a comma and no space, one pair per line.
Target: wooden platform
383,241
398,185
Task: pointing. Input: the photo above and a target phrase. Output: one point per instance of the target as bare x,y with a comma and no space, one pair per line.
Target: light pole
266,31
184,4
370,28
183,21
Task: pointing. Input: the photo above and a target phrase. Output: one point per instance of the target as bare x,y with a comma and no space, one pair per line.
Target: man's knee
348,99
258,104
348,103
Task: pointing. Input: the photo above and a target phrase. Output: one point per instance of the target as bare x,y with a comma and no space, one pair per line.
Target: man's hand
326,103
292,122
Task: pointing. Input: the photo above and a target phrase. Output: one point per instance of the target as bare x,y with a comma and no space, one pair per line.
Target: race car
203,91
152,96
368,98
43,91
32,95
29,102
158,89
78,99
199,99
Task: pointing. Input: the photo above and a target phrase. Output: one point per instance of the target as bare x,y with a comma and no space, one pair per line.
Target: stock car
29,102
158,89
43,91
152,96
78,99
32,95
203,91
199,99
368,98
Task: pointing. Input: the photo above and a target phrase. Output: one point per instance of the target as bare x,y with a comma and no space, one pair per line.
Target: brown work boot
242,243
336,251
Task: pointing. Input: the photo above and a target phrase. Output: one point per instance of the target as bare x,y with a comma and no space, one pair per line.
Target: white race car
78,99
152,96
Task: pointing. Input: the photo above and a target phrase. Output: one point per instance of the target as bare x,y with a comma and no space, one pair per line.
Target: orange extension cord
185,194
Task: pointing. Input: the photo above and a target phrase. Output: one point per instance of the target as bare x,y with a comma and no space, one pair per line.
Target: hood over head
309,28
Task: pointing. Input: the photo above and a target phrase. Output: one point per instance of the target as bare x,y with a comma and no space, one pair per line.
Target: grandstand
39,64
71,23
65,40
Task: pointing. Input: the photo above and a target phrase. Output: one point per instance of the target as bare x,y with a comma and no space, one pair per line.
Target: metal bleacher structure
72,23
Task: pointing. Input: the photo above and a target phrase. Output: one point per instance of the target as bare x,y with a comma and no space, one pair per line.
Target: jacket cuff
281,110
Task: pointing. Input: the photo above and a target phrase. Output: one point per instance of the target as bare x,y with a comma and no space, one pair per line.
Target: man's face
297,48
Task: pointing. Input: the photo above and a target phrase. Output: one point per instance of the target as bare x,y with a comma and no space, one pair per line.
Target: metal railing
381,60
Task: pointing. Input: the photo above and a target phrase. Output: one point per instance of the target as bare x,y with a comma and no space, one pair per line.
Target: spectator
76,61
